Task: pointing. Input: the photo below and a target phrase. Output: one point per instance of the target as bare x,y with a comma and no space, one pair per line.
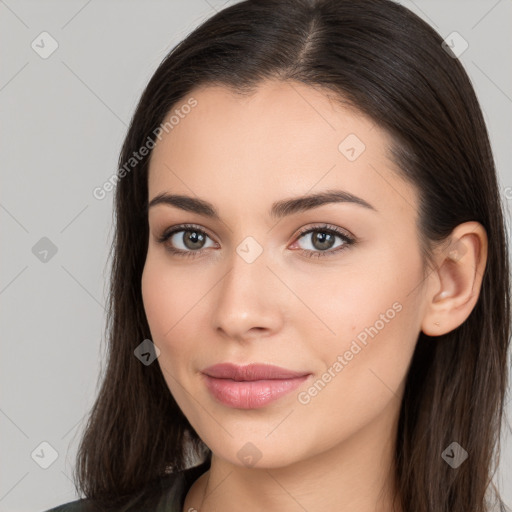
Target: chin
256,452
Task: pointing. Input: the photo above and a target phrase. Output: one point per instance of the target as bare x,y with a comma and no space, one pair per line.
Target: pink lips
252,386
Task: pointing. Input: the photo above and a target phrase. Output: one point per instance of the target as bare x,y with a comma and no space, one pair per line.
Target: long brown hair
389,64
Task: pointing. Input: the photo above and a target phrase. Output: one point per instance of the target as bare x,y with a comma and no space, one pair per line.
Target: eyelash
308,253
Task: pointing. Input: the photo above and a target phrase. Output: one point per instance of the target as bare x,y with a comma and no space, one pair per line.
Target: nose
249,300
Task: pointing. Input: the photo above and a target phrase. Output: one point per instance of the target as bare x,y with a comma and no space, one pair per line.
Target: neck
356,474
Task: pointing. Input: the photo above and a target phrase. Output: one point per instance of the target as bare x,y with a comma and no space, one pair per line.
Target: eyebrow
278,210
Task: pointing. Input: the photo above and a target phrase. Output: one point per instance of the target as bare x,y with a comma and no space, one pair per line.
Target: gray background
63,121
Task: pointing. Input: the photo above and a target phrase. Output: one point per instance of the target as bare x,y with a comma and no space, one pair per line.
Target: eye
323,241
189,240
185,240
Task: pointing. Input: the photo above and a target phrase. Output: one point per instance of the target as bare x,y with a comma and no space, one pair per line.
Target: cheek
168,293
166,300
348,301
174,299
157,298
375,321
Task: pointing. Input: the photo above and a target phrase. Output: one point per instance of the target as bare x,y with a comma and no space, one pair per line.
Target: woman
310,285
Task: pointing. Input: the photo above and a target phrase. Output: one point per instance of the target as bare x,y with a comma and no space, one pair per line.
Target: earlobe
454,286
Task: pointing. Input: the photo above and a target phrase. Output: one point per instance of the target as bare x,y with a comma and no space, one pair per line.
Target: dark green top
172,490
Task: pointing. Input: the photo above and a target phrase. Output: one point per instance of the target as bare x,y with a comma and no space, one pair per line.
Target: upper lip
254,371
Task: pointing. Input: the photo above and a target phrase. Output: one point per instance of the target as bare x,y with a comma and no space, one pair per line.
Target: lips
251,372
252,386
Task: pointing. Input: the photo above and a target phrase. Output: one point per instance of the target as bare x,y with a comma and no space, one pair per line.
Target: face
331,291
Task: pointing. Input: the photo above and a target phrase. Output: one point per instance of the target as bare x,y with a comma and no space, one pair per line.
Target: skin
241,154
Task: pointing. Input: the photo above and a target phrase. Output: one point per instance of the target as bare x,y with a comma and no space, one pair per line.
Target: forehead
285,139
283,121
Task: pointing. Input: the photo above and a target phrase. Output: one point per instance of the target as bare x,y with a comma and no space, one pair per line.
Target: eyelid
169,232
326,227
348,240
345,235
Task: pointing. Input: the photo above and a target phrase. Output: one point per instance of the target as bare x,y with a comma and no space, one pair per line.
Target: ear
455,283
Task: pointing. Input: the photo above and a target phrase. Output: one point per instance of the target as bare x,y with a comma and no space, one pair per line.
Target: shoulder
171,495
176,487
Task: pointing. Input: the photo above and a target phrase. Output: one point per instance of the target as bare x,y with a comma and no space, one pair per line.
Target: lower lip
251,394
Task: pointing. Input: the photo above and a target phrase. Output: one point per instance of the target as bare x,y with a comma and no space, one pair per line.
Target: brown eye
193,240
185,240
322,241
